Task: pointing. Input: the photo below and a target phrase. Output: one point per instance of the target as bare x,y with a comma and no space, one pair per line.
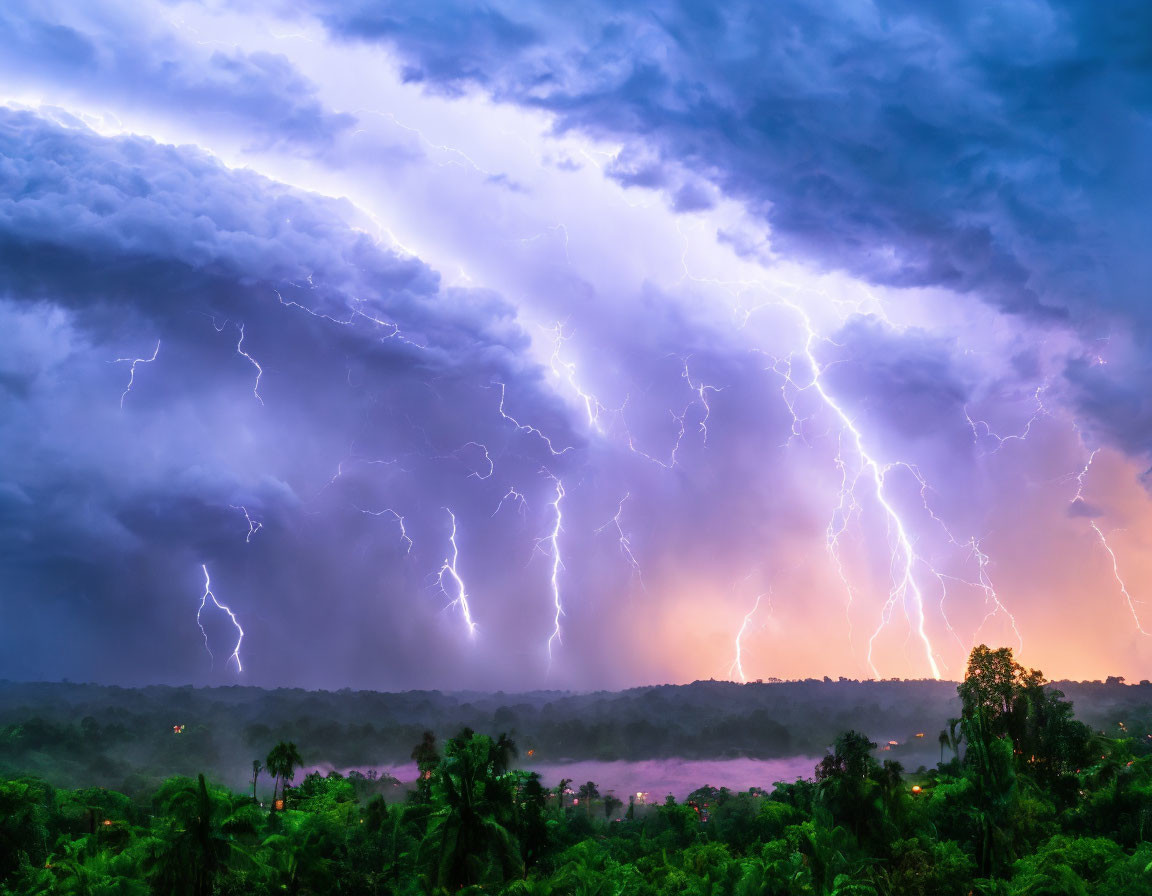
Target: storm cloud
710,308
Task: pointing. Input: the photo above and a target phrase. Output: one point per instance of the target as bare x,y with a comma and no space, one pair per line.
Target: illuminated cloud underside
679,311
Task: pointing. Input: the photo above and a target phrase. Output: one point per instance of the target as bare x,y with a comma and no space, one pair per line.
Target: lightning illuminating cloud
235,654
132,370
450,570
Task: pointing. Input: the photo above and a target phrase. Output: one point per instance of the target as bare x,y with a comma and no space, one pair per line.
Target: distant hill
123,737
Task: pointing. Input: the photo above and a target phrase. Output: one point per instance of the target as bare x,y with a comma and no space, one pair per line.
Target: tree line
1025,801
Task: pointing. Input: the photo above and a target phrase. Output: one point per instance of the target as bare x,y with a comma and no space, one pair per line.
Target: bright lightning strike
566,371
449,569
701,390
1078,498
259,369
903,560
1119,578
516,497
235,654
738,663
254,526
981,430
553,540
623,539
524,427
132,370
389,512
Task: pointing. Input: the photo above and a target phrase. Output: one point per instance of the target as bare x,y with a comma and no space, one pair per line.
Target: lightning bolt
449,569
566,371
254,526
235,654
623,539
132,370
903,560
389,512
354,314
553,540
252,361
1119,578
981,429
513,495
475,474
1078,498
701,390
524,427
738,663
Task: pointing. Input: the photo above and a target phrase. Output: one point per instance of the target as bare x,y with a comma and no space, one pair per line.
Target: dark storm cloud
135,242
110,245
1000,150
902,382
910,145
112,53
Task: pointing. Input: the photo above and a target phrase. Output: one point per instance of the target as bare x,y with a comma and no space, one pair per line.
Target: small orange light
107,822
531,752
915,788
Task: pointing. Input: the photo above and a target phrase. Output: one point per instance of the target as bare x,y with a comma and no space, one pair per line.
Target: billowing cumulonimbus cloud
200,364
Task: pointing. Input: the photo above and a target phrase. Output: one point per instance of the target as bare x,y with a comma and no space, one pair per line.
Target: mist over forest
84,734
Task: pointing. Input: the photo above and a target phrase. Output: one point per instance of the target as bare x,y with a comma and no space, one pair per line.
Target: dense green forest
81,735
1027,801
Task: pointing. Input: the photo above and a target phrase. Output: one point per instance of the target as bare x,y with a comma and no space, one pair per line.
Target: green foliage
1026,804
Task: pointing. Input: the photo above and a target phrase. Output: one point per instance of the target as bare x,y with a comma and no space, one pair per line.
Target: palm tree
257,767
587,793
426,757
468,840
282,762
944,742
560,788
506,751
199,840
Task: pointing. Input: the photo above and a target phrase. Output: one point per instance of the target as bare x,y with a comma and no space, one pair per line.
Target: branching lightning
524,427
1119,578
1078,498
981,429
594,409
132,370
623,538
254,526
515,496
905,589
449,569
235,654
389,512
259,369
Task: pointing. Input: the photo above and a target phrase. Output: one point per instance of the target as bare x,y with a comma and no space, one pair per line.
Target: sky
512,346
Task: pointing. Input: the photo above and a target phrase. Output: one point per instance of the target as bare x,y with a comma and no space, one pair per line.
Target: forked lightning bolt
254,526
1119,579
524,427
259,369
1078,498
450,570
389,512
235,654
622,538
515,496
905,588
132,370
